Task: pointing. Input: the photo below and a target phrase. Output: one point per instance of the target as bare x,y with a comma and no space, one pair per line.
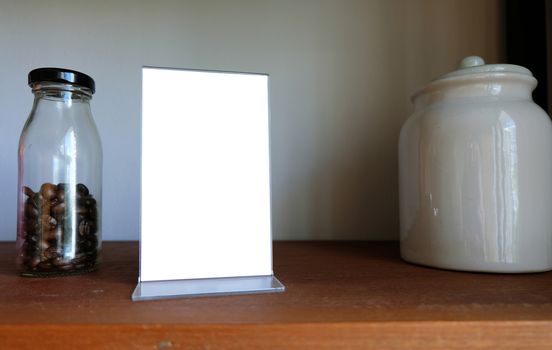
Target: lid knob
471,61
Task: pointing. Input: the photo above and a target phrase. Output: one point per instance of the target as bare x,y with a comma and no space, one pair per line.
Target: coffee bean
31,238
30,202
81,208
93,226
93,212
51,253
61,194
31,212
30,226
28,192
86,245
48,221
34,262
58,211
89,202
93,239
49,234
48,191
38,200
82,190
31,250
44,245
79,259
84,228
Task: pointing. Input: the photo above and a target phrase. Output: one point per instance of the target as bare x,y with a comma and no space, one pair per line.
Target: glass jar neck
59,92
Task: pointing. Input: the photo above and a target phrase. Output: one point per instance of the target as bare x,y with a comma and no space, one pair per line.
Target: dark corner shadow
364,250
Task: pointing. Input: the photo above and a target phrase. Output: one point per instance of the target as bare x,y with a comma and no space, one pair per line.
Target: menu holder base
152,290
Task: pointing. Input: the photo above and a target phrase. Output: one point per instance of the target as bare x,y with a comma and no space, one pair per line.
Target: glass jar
60,177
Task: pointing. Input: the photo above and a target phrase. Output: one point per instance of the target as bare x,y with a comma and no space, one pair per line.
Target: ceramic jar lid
476,65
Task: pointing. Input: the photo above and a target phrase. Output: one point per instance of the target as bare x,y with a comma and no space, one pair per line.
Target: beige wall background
341,73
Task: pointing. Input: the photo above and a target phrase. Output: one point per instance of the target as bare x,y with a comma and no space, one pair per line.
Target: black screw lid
61,75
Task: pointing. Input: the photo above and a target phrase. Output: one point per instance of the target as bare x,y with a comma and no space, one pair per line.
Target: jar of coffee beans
60,177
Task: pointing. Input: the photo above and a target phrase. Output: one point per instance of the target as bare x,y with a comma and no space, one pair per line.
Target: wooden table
339,295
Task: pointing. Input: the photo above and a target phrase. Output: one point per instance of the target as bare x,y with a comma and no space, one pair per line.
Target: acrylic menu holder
205,212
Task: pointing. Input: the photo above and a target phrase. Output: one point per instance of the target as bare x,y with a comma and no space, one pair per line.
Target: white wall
341,75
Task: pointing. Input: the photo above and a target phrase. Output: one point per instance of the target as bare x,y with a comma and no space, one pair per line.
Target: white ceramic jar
475,173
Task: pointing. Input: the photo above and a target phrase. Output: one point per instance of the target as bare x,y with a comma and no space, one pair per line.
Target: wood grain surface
339,295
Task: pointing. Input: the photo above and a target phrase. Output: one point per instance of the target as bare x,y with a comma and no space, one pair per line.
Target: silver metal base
204,287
